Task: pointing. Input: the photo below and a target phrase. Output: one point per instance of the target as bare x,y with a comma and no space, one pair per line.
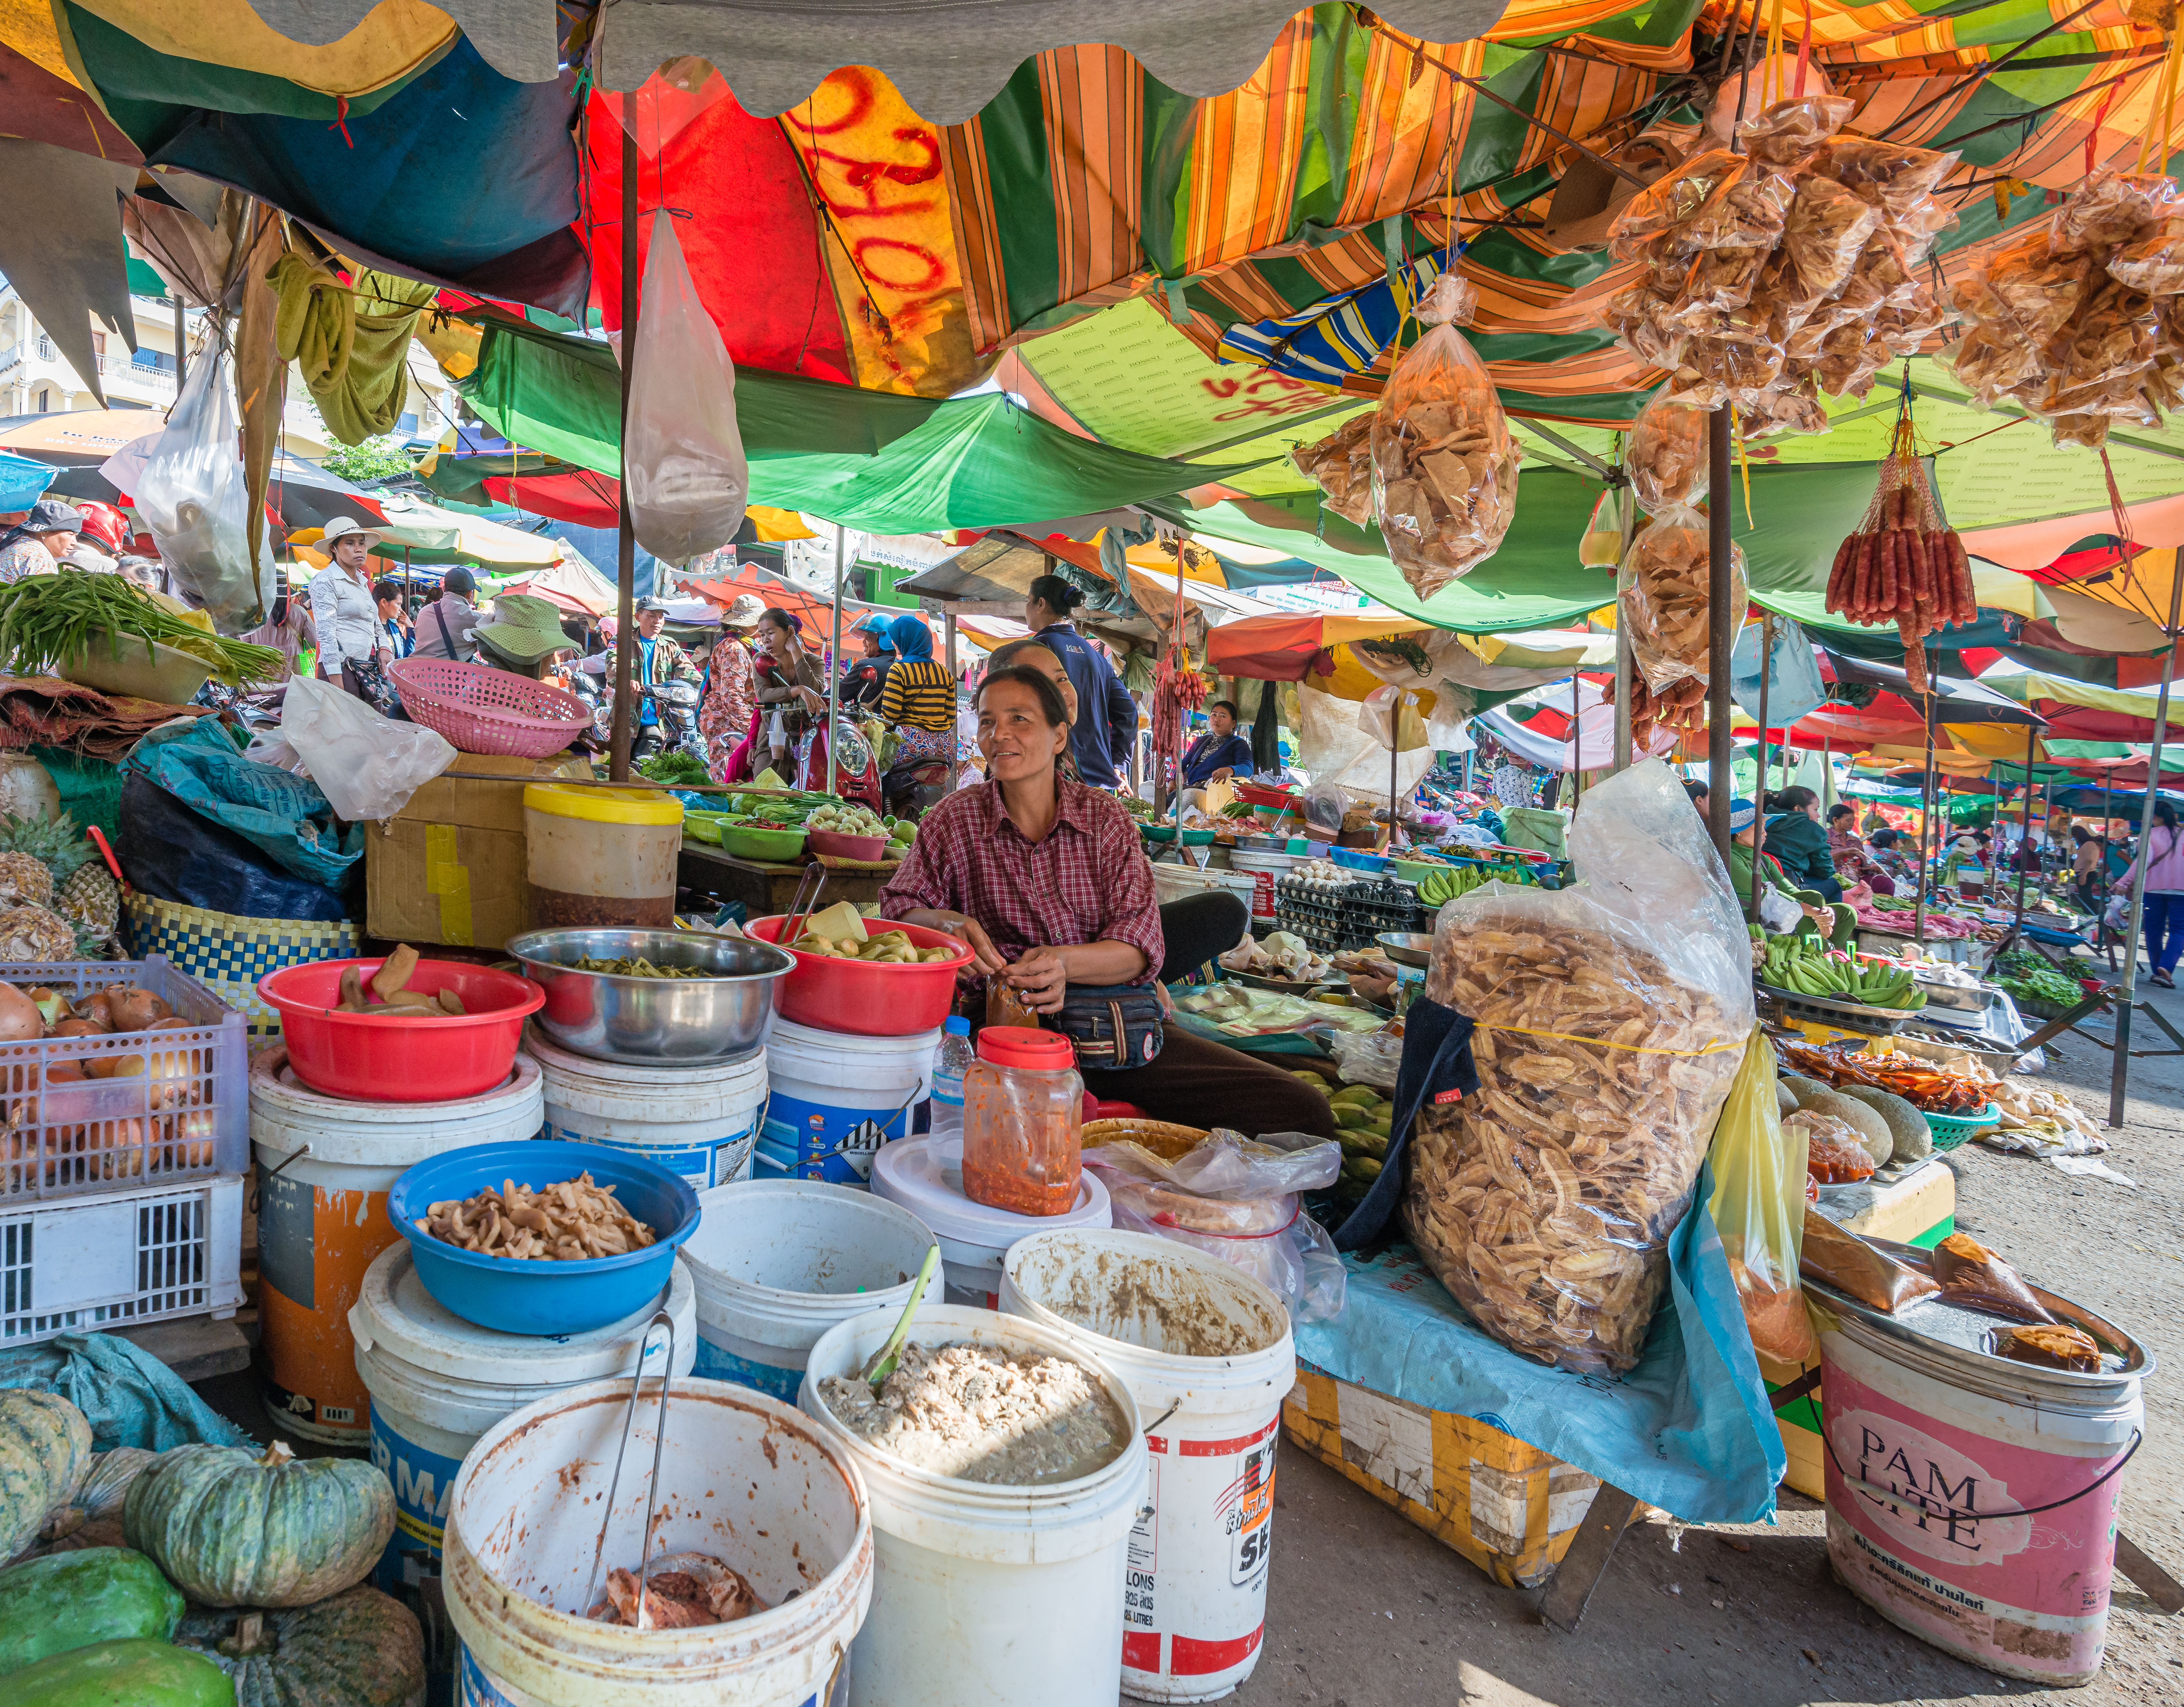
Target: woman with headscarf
919,699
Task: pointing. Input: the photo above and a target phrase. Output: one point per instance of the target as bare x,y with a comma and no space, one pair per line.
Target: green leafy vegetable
50,621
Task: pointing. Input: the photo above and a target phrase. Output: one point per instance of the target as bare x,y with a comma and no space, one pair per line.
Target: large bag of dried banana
1612,1017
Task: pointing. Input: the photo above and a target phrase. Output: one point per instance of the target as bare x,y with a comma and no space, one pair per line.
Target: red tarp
816,614
581,497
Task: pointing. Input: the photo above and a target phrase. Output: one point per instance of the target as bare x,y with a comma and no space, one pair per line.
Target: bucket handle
1898,1498
652,1493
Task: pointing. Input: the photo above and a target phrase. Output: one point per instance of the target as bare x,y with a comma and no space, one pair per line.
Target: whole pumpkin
44,1447
236,1528
106,1485
361,1649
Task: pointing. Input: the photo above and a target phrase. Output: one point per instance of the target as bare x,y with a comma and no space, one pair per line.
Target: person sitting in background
447,627
866,680
1220,752
287,628
1743,843
919,698
1795,838
393,617
2086,871
1848,850
523,636
100,542
791,694
36,544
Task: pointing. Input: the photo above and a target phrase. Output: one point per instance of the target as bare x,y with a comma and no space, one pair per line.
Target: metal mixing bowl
652,1021
1408,948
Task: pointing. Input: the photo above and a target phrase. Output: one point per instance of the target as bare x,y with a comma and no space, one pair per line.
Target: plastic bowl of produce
704,999
535,1296
388,1056
835,845
862,997
748,839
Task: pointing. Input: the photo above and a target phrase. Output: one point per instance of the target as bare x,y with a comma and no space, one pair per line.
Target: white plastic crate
180,1109
120,1258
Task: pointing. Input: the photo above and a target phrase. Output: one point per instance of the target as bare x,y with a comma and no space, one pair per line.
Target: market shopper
1795,838
1106,720
447,627
1846,847
919,698
1046,881
393,616
2164,853
791,694
353,648
865,680
1743,845
36,544
660,660
523,636
2085,869
725,711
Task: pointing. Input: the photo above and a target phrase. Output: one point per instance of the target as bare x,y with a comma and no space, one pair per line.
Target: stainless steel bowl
1408,948
652,1021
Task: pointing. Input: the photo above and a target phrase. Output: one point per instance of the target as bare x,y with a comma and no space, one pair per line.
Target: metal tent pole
1721,781
834,658
2119,1069
1759,820
1577,760
1928,688
1625,667
625,712
2025,826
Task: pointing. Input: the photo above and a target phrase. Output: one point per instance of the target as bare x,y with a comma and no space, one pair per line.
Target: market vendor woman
1044,878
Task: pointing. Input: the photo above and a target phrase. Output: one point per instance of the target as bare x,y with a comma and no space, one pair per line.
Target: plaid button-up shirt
1087,881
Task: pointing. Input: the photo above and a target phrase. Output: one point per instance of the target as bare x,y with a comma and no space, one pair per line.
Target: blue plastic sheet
129,1396
1688,1430
1794,687
22,481
276,810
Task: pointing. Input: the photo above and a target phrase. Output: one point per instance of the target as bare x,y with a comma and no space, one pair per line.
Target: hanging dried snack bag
1893,177
1444,460
1789,133
1666,456
1826,230
1341,465
1662,596
1651,224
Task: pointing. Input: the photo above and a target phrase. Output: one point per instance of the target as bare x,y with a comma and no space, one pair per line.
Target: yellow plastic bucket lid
603,805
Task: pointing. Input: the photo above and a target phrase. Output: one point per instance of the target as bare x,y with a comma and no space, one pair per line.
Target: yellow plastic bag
1759,1208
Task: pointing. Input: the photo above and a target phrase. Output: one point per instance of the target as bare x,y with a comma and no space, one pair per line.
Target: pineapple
78,886
31,934
25,879
91,900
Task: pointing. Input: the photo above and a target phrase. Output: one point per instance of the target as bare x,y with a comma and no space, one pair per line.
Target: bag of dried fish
1667,457
1663,594
1341,464
1612,1017
1444,459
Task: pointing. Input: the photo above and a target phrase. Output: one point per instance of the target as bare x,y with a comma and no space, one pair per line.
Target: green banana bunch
1439,887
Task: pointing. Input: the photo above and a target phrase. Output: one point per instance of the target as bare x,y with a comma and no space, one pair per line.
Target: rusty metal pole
1721,780
625,712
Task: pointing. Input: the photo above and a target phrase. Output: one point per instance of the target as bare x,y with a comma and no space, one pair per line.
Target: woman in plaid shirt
1044,878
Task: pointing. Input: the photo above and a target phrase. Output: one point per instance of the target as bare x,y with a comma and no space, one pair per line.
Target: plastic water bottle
949,1060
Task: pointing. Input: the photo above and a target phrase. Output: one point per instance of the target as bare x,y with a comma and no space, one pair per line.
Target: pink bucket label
1954,1555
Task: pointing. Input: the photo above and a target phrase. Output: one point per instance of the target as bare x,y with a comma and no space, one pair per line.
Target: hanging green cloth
350,342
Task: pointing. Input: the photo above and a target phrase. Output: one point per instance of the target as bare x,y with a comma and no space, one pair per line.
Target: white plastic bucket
986,1596
742,1477
324,1166
1973,1501
837,1097
699,1122
1180,883
973,1236
437,1382
1208,1355
779,1262
1265,870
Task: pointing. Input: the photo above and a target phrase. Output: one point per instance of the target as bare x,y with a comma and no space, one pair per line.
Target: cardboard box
449,867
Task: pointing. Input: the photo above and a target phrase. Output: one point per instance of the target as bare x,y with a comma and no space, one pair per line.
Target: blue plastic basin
516,1295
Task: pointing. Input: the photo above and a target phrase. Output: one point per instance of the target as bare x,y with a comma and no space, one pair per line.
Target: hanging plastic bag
367,766
1663,596
1444,460
1601,545
1341,465
1666,457
688,479
1758,1206
192,497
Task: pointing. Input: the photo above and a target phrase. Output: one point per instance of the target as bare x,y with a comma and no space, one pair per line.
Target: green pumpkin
108,1483
362,1648
122,1674
70,1600
234,1528
44,1447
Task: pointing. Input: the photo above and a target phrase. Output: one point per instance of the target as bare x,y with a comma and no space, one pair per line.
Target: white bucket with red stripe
1208,1355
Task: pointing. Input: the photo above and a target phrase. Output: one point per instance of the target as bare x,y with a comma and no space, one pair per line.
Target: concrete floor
1366,1610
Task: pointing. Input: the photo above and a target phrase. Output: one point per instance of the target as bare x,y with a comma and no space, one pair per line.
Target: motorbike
676,702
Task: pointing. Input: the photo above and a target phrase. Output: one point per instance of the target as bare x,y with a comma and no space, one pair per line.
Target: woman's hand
1041,977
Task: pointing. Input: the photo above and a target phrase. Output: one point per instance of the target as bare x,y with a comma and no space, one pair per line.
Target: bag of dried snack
1667,457
1663,592
1444,460
1341,465
1611,1019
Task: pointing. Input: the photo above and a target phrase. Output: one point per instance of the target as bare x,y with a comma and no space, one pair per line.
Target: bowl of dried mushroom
402,1029
543,1236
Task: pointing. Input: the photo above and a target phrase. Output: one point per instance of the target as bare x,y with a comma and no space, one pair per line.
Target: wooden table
766,886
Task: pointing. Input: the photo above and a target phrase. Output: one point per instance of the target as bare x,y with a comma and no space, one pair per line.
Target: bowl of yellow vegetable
871,977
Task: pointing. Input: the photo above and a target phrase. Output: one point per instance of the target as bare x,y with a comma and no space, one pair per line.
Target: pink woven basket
483,710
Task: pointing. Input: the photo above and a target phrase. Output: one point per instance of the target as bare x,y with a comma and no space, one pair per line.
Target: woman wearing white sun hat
351,642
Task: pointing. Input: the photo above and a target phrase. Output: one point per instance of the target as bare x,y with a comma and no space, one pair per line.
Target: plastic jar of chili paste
1023,1109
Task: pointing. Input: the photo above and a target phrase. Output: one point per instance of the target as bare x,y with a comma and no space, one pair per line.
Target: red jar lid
1027,1046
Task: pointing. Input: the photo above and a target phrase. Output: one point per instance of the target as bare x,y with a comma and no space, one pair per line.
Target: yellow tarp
394,39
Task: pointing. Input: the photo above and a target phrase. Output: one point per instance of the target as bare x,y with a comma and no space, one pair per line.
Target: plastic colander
483,710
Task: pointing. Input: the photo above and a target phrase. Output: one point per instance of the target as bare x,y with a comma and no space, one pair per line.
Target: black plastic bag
171,851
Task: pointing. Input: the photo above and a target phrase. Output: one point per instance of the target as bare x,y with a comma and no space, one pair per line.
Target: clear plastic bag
192,497
366,765
1758,1207
1226,1166
1791,132
1667,457
1893,176
1444,459
1369,1058
1611,1018
687,478
1341,465
1663,595
1827,228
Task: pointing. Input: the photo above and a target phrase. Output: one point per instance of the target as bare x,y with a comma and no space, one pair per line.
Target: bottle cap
1027,1046
958,1026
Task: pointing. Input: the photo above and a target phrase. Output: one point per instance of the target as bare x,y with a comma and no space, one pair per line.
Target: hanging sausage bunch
1790,270
2081,319
1903,565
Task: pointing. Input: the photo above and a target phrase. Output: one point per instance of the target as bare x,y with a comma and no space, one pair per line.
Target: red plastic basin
834,994
388,1058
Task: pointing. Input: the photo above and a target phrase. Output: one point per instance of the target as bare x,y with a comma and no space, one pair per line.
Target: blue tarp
22,481
1688,1430
287,815
129,1396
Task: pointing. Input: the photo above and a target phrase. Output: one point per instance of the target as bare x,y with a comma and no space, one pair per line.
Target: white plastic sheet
367,765
192,497
688,479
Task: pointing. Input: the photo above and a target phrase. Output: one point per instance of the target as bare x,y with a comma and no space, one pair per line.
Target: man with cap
523,635
36,545
660,660
352,645
725,714
868,678
447,626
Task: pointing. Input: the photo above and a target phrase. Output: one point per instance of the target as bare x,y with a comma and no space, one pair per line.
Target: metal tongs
652,1495
800,910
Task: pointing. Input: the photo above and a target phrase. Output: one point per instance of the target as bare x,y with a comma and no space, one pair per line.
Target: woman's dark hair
1695,790
2081,835
1048,695
1055,594
1017,648
1228,706
787,621
1841,809
1792,799
386,587
2165,814
1883,838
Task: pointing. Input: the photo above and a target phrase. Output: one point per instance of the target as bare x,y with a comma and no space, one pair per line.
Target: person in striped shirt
919,699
